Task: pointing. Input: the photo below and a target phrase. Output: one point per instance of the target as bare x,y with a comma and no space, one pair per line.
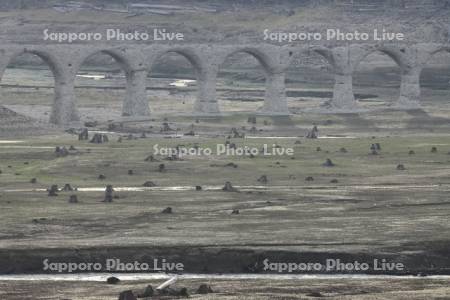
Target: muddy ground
363,204
363,208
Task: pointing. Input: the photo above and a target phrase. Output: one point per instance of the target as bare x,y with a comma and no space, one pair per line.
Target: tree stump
127,295
67,188
313,133
73,199
83,135
228,187
167,210
53,191
328,163
109,193
263,179
99,138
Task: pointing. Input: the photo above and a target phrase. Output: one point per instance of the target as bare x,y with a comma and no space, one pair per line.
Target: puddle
10,142
298,137
153,134
337,137
182,83
271,137
26,147
101,277
92,76
104,132
128,189
251,188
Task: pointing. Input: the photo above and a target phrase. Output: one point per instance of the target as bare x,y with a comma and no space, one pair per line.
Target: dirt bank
215,259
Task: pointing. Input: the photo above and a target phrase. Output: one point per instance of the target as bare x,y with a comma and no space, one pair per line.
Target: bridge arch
121,56
386,85
116,90
189,53
264,58
46,56
193,59
313,67
434,76
393,53
325,52
49,59
265,62
440,49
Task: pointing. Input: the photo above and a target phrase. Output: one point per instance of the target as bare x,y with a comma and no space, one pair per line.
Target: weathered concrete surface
409,90
137,61
343,98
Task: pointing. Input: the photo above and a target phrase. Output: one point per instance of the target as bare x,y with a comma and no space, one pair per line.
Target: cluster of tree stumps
166,289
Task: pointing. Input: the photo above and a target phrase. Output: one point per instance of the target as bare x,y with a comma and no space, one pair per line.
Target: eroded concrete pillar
3,64
275,98
343,97
64,109
136,101
206,102
343,61
409,90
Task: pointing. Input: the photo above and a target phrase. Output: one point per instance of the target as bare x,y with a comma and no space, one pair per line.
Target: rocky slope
13,125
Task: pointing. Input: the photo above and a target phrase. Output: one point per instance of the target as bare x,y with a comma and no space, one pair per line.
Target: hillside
223,21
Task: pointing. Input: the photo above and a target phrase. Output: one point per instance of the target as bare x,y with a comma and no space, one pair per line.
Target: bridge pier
343,61
206,102
343,97
275,98
136,101
409,90
64,109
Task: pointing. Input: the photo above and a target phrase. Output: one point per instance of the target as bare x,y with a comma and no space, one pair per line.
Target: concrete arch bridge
137,60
